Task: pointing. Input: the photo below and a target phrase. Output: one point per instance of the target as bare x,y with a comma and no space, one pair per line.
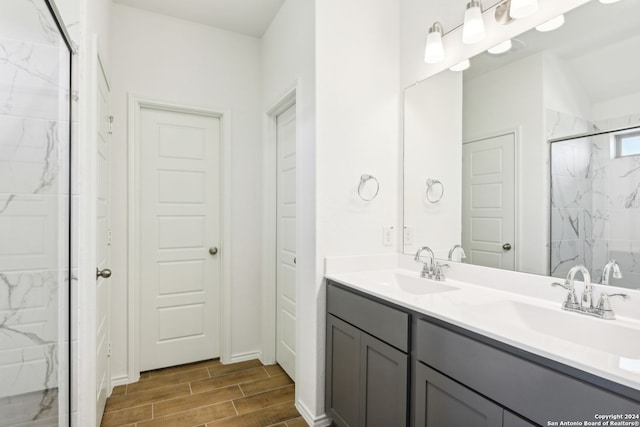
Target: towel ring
363,180
431,183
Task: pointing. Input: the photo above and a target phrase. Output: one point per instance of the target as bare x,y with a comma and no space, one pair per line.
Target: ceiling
249,17
597,41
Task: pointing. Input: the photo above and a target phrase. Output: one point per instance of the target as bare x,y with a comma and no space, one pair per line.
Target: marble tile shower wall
571,201
617,187
34,213
595,206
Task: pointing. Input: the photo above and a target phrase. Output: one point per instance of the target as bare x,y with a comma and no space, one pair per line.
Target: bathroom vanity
402,350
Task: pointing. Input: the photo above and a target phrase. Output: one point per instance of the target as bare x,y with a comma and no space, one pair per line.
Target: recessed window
627,144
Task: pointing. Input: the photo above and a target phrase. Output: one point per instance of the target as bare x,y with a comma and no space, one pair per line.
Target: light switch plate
387,236
408,236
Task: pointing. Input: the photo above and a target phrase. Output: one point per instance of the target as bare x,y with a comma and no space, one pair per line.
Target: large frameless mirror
484,135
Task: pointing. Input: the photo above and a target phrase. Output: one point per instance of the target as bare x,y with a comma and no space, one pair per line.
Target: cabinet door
512,420
343,370
443,402
383,384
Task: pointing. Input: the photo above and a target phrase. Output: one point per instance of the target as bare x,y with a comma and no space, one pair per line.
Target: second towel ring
431,185
363,180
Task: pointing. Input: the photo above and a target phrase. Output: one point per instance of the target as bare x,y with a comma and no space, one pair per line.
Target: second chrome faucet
585,304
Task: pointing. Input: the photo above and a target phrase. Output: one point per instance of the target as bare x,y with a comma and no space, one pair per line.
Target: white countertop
532,321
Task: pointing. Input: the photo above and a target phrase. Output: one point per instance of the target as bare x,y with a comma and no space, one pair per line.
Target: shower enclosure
595,201
35,214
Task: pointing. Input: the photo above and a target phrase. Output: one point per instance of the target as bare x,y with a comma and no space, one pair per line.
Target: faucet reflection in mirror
606,272
453,250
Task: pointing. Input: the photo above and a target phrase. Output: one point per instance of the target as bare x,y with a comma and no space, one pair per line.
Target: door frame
136,104
517,167
270,209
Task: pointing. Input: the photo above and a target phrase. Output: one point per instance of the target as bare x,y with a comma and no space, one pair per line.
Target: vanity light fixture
434,51
500,47
608,1
551,24
461,66
522,8
473,29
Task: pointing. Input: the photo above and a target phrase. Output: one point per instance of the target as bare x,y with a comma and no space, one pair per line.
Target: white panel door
286,241
103,242
180,233
488,201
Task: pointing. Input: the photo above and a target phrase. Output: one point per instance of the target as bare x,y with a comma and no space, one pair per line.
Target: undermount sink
404,282
603,335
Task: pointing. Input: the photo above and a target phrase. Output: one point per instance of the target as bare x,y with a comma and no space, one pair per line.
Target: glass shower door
35,75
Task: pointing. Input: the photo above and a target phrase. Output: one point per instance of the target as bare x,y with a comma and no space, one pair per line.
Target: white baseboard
267,361
319,421
235,358
120,380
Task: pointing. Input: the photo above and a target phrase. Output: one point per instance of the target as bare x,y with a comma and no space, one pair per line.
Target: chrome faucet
587,294
427,269
603,309
606,272
453,249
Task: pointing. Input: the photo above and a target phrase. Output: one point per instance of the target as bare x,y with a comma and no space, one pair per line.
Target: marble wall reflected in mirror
485,134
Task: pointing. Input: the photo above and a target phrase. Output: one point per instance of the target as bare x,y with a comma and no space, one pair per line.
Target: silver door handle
106,273
506,246
213,250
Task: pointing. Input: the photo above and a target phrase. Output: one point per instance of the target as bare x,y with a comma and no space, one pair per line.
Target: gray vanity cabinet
366,377
458,378
531,390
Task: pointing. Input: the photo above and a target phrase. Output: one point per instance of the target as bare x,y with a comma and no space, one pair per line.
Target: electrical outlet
387,236
408,236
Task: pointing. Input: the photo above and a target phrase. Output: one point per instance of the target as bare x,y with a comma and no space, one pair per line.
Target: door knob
506,246
106,273
213,250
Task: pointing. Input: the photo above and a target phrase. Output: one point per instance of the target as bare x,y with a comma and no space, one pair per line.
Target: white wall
288,61
357,132
612,109
433,150
166,59
510,99
562,91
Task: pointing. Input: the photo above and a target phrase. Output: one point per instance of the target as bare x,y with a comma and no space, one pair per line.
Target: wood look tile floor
245,394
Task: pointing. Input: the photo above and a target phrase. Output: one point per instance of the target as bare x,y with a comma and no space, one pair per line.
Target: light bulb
461,66
500,47
434,51
551,24
522,8
473,29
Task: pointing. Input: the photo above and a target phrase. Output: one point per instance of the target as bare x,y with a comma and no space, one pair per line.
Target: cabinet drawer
381,321
531,390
